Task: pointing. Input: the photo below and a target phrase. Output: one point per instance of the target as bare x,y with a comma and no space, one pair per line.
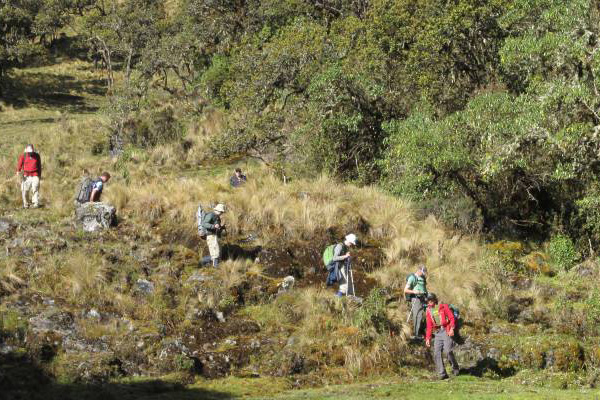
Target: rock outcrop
94,217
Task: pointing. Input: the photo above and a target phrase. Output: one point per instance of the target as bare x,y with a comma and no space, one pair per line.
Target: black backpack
409,296
85,190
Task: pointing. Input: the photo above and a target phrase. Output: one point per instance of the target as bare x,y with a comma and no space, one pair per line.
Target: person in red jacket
30,165
440,323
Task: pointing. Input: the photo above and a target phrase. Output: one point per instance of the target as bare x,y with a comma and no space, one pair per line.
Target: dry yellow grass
297,211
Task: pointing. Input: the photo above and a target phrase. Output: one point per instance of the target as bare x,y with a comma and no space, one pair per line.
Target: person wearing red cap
30,165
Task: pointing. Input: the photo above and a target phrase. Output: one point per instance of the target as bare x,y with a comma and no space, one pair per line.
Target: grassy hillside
75,309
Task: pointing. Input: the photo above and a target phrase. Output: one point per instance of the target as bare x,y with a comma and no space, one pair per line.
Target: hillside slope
86,308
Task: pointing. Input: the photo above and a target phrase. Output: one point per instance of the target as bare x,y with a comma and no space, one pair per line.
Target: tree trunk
106,55
469,192
128,69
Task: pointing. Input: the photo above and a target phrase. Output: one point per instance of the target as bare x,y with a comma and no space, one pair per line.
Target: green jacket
209,222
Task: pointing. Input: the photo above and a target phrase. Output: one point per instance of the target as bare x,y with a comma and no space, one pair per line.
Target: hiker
338,267
214,228
30,168
238,179
98,186
415,292
90,190
441,322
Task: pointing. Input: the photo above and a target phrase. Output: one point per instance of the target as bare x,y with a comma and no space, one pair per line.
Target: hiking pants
213,246
443,343
417,314
344,276
31,183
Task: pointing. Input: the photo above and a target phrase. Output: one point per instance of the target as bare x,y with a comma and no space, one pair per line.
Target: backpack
455,311
29,157
85,190
328,254
409,296
200,214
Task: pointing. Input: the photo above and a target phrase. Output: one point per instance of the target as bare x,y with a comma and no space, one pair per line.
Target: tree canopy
494,102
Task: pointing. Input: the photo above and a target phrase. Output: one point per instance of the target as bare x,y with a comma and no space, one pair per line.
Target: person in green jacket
213,225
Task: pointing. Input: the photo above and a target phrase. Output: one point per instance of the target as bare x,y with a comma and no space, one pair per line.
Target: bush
459,213
372,312
156,127
562,252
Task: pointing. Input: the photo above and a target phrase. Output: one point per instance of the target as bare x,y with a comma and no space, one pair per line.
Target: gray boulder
286,284
94,217
469,355
144,286
6,225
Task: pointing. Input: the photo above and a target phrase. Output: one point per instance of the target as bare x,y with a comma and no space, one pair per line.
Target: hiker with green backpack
336,258
415,292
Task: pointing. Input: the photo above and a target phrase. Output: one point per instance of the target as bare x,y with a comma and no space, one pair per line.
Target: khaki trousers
31,183
343,278
213,246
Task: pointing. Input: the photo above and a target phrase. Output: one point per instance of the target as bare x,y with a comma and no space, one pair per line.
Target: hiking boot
455,372
339,294
416,339
25,206
443,378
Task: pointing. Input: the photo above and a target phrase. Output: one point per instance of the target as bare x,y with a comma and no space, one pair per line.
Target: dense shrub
562,252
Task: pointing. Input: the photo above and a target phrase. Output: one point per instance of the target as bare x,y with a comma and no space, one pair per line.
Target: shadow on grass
20,378
52,91
489,365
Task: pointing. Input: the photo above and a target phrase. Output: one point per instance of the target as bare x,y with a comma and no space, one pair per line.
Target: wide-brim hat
220,208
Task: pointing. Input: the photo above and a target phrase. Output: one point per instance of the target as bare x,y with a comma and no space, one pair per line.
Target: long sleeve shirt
339,251
209,222
443,317
30,164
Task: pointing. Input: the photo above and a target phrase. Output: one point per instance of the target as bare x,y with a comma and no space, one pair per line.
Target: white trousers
31,183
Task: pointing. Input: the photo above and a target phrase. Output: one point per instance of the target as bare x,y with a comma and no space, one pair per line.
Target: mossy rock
86,367
537,263
555,352
506,246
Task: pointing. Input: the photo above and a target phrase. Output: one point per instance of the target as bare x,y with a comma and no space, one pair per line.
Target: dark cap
431,297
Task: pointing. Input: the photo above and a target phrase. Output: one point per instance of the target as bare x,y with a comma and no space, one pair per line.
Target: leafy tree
123,31
17,33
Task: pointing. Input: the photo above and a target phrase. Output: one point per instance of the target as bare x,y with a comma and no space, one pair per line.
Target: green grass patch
455,389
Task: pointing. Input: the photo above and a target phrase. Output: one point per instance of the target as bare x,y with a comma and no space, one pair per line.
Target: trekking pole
351,278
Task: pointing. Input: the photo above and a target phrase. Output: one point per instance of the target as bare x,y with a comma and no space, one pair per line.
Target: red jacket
446,320
30,164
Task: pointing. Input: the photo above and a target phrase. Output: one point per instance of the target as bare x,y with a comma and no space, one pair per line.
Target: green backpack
328,254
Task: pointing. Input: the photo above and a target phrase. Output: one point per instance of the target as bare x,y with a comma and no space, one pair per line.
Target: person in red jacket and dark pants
30,165
440,323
